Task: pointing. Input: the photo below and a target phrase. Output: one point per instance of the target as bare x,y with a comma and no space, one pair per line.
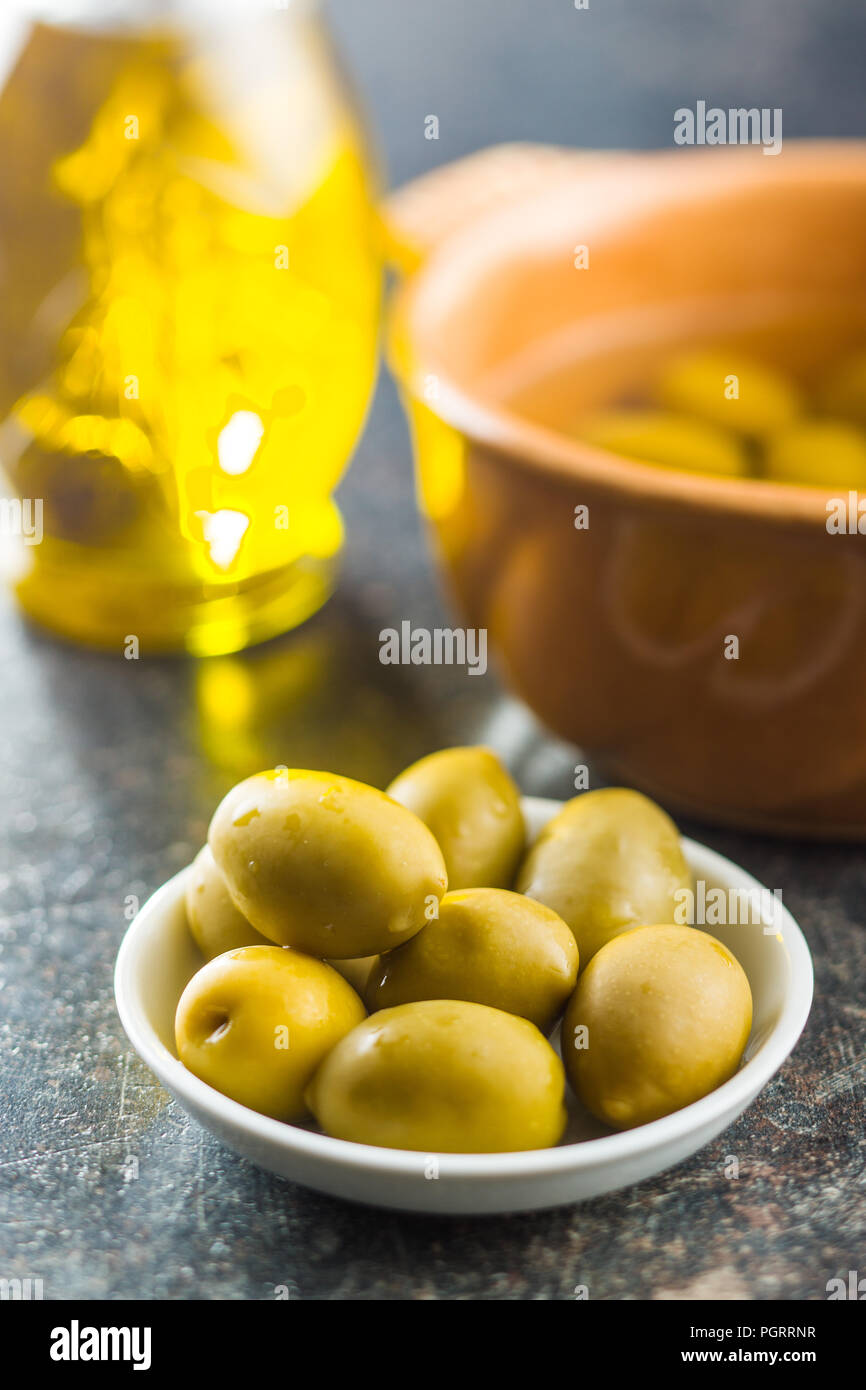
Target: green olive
214,921
472,806
357,972
660,1018
487,946
442,1076
819,453
673,441
731,391
610,860
326,864
255,1024
843,390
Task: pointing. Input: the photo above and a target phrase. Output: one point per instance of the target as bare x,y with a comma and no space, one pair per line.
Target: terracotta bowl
616,634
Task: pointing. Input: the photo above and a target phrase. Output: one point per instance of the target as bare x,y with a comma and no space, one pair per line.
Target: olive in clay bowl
326,864
659,437
610,860
818,453
472,806
442,1076
487,946
747,397
843,391
660,1018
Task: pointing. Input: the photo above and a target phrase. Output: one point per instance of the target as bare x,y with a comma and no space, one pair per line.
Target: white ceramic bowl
157,958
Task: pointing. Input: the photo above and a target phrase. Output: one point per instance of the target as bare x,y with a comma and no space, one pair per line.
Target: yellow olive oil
188,325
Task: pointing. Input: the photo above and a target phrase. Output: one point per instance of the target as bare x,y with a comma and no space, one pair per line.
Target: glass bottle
189,308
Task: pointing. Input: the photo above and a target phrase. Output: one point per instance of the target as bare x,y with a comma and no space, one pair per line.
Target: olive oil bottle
189,306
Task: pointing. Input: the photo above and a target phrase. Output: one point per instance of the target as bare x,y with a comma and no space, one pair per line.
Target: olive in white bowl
158,957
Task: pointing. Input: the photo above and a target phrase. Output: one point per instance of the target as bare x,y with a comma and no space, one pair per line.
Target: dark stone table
109,770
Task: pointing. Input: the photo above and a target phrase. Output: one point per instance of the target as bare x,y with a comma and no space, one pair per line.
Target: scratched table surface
110,769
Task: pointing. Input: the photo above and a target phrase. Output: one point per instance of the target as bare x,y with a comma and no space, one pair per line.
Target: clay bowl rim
663,176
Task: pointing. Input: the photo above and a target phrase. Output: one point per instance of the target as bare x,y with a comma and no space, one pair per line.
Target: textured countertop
109,770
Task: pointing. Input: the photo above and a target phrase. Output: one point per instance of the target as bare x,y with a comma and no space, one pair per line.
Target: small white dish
157,957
